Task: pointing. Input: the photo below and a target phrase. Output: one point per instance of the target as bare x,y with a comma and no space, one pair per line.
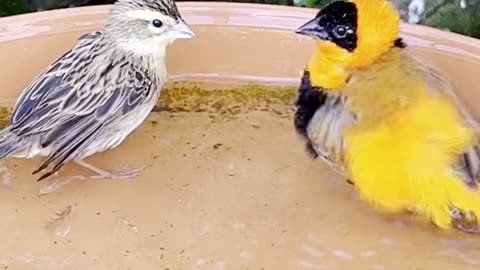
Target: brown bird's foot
53,184
102,174
465,222
57,183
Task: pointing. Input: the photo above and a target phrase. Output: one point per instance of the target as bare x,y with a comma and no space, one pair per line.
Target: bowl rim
189,7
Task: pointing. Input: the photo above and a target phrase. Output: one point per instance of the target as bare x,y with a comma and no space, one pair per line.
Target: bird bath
227,183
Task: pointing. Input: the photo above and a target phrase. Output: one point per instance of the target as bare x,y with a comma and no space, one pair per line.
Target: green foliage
11,7
453,18
317,3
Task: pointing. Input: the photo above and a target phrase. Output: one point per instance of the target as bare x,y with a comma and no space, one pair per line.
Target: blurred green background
460,16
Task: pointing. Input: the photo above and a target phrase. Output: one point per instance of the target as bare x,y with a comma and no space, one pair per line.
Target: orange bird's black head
364,28
337,23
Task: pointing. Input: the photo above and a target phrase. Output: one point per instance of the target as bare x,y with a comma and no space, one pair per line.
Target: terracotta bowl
232,194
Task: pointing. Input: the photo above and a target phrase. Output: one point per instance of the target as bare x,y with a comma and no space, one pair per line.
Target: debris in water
312,251
389,242
368,253
225,101
342,254
217,145
131,226
4,117
57,224
4,121
60,216
6,177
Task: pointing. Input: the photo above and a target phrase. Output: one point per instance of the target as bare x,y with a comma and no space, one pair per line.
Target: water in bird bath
227,186
227,183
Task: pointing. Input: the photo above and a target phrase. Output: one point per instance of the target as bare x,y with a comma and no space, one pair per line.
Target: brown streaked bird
97,93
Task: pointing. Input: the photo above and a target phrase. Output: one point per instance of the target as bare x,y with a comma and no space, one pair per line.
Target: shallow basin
227,183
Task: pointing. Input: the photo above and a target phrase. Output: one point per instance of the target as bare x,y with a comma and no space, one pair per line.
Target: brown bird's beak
182,30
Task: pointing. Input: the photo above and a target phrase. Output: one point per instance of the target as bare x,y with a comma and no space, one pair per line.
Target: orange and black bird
385,119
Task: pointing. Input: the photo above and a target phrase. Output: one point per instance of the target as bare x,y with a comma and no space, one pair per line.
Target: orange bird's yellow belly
406,160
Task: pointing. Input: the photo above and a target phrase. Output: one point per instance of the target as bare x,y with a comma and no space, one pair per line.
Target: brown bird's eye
157,23
340,31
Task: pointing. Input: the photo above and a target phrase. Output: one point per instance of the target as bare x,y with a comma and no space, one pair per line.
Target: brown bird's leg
102,174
